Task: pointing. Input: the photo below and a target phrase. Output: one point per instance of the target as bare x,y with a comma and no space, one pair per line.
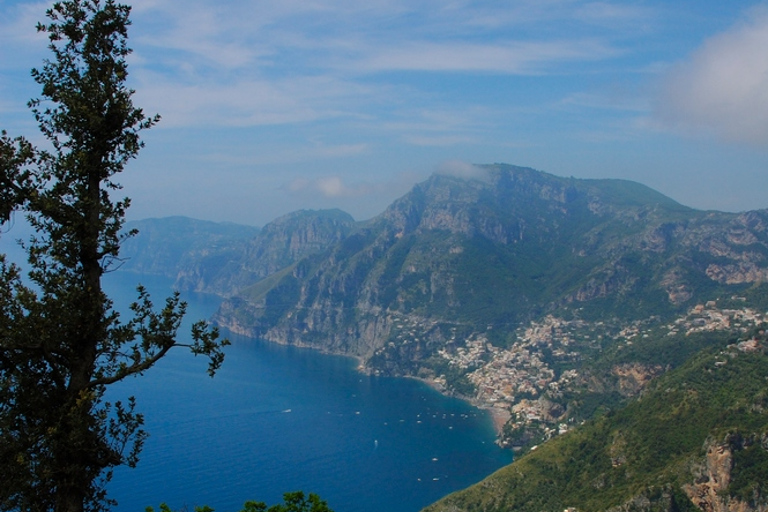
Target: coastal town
521,384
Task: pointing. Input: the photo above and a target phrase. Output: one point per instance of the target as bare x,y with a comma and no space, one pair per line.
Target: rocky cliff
280,243
468,255
223,258
711,489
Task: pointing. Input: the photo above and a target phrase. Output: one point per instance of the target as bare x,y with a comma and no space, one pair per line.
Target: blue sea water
278,419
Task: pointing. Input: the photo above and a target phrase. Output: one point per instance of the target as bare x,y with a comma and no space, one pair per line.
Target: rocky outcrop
663,499
492,252
634,377
279,244
713,476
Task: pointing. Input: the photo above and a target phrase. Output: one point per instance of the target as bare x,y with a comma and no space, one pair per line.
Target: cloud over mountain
723,87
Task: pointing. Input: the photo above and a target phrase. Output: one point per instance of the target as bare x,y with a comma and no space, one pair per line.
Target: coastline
499,417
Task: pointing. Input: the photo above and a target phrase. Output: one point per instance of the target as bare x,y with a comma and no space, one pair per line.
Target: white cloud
723,87
250,101
621,101
611,13
463,170
518,57
257,63
616,16
329,187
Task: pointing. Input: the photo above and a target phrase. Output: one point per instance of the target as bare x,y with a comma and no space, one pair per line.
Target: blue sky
269,107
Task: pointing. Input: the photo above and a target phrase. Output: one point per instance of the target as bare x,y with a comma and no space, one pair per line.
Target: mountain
458,258
697,439
221,258
280,243
165,246
618,335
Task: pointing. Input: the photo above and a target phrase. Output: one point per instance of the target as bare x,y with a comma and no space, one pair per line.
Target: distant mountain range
464,255
553,300
223,258
172,246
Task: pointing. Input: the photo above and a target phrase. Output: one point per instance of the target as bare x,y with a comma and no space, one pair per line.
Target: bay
277,419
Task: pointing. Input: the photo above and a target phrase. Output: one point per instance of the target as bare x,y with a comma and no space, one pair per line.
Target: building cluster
521,379
407,330
513,378
708,318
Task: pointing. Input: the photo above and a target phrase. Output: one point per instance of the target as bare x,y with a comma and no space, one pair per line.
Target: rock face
456,255
170,245
709,492
223,258
634,377
279,244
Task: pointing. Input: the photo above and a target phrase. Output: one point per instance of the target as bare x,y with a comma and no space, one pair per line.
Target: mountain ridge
444,252
555,301
220,258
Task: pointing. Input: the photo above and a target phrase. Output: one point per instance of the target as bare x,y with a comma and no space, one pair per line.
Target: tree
61,342
15,155
292,502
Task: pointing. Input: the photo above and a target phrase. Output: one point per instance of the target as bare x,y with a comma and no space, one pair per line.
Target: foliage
750,467
455,378
61,343
15,157
645,449
292,502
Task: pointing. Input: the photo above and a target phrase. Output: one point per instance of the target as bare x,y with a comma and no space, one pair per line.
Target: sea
279,419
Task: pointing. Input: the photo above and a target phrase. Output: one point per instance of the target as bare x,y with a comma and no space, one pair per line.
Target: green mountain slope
456,257
697,437
555,301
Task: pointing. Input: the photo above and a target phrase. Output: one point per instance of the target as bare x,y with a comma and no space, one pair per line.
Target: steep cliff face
167,246
714,476
280,243
457,254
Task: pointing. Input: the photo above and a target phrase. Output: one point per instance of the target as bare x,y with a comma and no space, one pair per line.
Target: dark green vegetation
490,255
292,502
61,344
697,436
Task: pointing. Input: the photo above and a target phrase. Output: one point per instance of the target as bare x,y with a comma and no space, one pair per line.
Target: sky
273,106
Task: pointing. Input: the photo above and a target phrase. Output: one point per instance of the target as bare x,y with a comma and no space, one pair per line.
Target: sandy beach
499,417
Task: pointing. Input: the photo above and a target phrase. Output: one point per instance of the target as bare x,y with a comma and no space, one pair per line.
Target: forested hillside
697,439
619,333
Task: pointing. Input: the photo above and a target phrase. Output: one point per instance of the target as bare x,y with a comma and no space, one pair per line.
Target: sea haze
278,419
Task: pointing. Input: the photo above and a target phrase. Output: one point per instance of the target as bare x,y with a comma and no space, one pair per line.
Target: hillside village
524,382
